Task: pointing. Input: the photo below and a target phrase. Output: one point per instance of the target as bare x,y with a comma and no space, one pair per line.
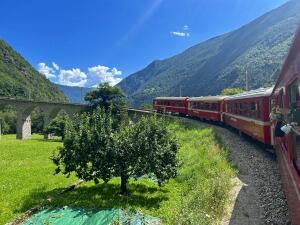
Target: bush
57,125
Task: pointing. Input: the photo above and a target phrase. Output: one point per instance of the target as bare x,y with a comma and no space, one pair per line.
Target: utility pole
81,100
180,91
246,80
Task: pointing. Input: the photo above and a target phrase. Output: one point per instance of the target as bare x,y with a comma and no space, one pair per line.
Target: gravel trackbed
258,197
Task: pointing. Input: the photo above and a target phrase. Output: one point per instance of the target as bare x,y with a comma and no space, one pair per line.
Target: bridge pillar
47,120
23,126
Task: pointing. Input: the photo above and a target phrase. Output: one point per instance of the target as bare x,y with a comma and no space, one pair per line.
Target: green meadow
199,195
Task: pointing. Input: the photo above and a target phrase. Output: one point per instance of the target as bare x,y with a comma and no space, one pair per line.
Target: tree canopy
110,98
105,96
231,91
93,150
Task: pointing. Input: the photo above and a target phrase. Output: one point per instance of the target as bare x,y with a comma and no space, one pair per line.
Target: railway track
259,199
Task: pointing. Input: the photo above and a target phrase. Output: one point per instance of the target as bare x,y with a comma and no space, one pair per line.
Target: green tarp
75,216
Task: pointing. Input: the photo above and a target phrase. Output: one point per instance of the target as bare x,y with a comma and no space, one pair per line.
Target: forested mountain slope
18,79
205,69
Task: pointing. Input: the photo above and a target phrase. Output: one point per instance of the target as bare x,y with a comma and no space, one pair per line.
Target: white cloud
180,34
55,66
99,74
46,70
183,33
73,77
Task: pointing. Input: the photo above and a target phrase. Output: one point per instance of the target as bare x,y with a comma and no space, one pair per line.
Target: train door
293,103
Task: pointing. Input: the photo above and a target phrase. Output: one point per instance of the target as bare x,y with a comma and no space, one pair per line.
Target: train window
246,109
258,111
206,106
252,112
235,108
202,105
240,108
214,106
293,93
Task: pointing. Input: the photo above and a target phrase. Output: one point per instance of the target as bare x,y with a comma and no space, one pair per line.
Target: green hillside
205,69
18,79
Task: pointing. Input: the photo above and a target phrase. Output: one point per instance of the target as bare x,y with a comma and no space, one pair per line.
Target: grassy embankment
198,196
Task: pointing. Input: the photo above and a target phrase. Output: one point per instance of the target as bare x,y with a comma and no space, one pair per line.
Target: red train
269,115
286,105
207,108
175,105
249,113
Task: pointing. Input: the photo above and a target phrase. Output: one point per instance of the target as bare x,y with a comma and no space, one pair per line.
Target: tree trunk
124,180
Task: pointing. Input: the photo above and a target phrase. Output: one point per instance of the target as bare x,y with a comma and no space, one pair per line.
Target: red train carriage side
207,108
249,113
175,105
286,109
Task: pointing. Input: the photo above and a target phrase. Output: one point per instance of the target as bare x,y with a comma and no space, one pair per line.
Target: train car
207,108
286,108
249,112
174,105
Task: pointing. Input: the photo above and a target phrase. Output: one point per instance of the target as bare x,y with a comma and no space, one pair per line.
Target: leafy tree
88,147
105,96
57,125
8,120
146,147
156,148
147,106
110,98
37,121
231,91
94,150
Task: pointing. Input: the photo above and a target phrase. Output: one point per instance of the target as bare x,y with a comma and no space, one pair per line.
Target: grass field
197,196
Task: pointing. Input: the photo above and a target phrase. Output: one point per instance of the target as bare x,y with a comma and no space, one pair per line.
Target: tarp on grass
75,216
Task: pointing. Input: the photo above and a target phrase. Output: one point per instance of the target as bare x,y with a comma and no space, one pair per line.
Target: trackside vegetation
198,195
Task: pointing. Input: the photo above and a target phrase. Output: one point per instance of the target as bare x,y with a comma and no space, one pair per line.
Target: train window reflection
293,93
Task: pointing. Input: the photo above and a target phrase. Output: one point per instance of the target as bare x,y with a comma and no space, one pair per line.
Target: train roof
208,98
261,92
171,98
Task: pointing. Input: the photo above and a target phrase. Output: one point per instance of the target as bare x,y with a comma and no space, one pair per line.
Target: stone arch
24,109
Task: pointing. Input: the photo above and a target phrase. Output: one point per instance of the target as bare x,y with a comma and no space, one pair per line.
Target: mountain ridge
257,48
20,80
75,94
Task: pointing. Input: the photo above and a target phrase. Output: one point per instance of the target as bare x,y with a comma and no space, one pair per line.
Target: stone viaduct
25,107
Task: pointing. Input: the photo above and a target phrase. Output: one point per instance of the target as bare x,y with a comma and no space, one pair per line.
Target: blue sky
82,43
